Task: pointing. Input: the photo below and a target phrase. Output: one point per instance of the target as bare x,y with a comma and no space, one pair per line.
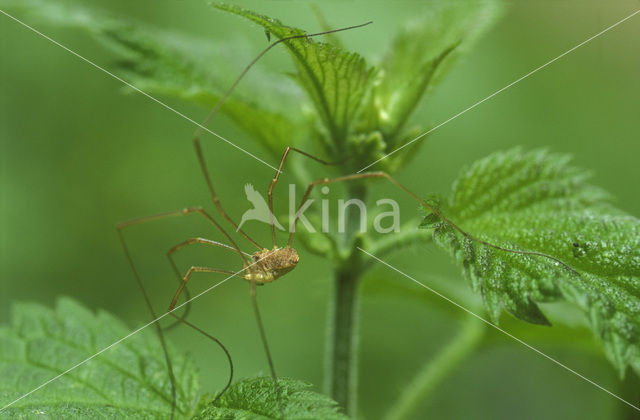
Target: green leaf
256,399
422,50
419,56
161,65
335,80
193,69
129,380
537,202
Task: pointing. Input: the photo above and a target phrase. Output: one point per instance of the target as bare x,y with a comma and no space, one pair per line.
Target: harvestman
264,265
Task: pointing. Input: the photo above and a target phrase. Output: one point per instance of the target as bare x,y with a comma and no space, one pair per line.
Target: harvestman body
271,264
264,265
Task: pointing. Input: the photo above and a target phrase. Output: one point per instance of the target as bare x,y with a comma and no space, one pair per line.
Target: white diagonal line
500,329
501,90
123,338
136,89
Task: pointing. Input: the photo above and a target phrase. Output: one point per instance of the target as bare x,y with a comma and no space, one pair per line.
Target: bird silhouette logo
260,210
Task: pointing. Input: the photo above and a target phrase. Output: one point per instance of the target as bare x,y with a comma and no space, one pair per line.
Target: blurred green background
77,155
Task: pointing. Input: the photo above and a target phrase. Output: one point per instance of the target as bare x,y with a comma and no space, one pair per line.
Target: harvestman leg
254,301
188,242
179,276
183,283
216,108
214,196
161,216
275,179
263,336
184,280
192,210
435,211
132,222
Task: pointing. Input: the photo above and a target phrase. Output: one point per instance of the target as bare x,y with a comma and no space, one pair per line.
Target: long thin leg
263,336
226,352
214,196
224,97
190,210
185,280
384,175
277,177
132,222
183,283
170,253
216,108
206,242
172,378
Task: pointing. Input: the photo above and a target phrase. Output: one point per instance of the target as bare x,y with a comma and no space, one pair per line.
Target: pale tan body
269,265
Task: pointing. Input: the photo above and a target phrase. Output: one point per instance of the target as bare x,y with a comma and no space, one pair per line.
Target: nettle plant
526,227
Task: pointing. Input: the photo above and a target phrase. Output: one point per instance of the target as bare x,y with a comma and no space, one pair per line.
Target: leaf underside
129,380
537,202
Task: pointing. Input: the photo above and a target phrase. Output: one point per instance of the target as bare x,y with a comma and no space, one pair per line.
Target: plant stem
342,373
436,369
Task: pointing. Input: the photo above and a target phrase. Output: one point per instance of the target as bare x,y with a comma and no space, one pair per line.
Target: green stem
436,369
342,374
342,371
